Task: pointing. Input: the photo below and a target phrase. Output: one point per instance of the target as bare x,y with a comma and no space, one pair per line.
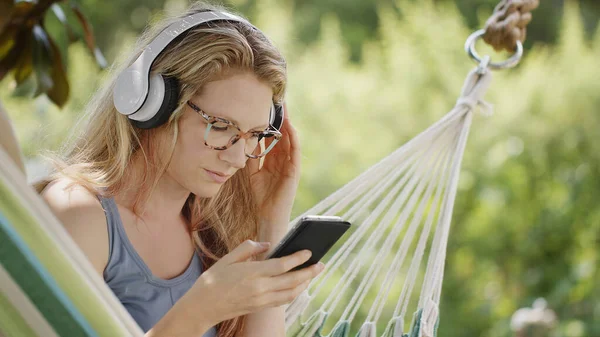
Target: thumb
245,251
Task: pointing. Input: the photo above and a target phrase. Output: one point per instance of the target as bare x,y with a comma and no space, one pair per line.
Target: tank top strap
113,224
121,251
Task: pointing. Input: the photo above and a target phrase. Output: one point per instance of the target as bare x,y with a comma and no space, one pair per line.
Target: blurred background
365,76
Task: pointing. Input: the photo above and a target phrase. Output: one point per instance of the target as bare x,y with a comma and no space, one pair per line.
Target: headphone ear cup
277,122
168,105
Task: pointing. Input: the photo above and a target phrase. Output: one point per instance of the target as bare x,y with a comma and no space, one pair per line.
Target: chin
207,190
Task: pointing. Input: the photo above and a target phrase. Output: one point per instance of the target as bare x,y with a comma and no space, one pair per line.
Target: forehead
241,98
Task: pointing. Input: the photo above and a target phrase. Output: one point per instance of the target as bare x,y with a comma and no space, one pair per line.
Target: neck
165,201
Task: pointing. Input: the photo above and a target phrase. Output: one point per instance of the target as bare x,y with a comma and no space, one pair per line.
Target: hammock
400,209
402,204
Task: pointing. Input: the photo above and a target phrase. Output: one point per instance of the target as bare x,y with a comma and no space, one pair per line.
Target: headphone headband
131,88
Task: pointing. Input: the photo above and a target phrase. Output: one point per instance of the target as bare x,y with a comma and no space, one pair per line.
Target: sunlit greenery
527,219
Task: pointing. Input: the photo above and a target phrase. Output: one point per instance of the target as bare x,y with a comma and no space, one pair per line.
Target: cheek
190,152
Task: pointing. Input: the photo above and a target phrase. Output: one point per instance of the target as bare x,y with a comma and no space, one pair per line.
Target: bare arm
268,322
271,321
82,216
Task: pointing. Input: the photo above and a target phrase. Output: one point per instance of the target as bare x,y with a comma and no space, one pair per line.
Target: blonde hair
99,157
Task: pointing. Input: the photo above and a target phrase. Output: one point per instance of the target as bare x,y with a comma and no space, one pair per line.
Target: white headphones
149,99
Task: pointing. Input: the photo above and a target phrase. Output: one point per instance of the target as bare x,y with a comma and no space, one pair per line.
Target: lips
217,177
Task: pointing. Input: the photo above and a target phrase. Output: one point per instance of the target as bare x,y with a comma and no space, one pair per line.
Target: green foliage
359,19
526,221
28,50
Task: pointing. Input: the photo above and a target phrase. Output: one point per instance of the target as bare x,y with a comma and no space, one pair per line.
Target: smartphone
315,233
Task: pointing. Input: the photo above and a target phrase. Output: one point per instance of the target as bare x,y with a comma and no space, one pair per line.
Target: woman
177,217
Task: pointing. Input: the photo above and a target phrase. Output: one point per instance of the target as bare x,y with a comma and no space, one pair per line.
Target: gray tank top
146,297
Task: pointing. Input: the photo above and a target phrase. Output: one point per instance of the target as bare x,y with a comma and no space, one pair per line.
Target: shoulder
83,217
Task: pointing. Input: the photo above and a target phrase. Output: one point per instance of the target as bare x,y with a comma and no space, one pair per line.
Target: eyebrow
261,127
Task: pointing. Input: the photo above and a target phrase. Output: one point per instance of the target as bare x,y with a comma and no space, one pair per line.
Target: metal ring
509,63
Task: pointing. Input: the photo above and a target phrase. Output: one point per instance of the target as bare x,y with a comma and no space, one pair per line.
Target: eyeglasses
221,134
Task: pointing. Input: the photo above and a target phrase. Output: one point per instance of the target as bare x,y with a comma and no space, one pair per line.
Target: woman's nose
235,155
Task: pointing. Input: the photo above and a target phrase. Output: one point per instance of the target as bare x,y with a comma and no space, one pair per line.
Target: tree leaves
62,17
41,60
49,69
27,49
89,36
59,93
24,66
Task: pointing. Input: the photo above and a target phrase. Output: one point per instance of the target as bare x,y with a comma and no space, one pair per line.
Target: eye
219,126
265,134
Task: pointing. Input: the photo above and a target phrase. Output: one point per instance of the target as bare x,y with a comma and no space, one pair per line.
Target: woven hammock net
400,209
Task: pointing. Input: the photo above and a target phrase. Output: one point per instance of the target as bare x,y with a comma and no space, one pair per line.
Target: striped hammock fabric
47,286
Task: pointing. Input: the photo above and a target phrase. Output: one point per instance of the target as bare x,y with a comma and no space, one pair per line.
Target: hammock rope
420,177
509,23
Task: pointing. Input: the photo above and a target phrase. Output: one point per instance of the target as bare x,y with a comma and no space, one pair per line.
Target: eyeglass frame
210,120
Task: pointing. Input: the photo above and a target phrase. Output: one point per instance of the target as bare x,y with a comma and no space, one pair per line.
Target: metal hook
509,63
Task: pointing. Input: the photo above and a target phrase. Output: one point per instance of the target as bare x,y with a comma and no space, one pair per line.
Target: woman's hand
237,285
274,185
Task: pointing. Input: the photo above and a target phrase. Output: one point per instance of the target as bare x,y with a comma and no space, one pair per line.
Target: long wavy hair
97,158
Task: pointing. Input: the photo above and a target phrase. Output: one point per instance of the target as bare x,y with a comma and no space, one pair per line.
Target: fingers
290,130
244,251
287,296
285,129
289,143
285,288
291,280
281,265
294,144
284,142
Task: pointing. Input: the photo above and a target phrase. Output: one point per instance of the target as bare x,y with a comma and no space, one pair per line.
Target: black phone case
318,236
